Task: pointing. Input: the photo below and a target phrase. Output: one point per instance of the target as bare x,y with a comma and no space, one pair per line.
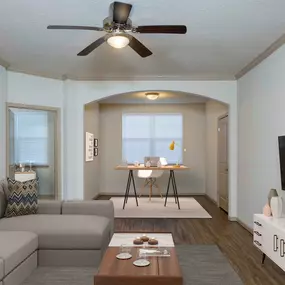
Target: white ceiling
165,97
223,36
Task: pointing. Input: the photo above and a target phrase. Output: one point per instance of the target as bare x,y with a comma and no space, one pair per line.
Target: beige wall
114,182
214,109
91,168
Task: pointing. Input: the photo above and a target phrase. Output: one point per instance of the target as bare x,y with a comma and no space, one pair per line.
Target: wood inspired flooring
233,240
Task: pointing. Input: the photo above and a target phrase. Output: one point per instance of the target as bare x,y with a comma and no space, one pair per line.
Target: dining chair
150,177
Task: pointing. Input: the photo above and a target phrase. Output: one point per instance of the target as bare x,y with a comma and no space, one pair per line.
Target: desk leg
127,189
166,196
175,192
132,177
175,189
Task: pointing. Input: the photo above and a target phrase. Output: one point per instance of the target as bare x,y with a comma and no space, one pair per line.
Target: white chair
150,177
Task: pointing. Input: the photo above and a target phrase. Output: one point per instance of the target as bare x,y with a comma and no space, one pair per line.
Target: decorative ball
144,238
153,241
138,241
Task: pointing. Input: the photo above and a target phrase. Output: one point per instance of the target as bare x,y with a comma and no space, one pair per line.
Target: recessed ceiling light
118,41
152,95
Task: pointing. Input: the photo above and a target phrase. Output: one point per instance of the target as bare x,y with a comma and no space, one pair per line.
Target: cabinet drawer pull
258,243
257,233
275,242
282,253
257,223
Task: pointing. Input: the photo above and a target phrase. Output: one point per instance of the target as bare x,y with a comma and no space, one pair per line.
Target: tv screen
281,143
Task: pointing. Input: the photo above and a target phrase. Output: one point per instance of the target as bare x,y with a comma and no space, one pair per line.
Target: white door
223,162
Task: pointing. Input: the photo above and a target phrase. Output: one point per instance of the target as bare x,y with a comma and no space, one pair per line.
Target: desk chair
150,177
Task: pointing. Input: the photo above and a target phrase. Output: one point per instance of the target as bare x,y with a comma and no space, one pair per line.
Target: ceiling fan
118,27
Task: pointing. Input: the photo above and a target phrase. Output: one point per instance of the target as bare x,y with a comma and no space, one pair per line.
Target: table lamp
172,147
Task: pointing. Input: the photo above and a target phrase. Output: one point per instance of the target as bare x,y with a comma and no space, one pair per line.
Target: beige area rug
189,208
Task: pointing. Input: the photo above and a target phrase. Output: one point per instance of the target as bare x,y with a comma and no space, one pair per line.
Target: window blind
150,135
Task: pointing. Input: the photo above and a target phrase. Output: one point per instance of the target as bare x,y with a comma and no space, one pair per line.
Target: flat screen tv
281,144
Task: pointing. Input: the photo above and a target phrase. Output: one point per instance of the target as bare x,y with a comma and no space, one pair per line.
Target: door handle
275,242
257,233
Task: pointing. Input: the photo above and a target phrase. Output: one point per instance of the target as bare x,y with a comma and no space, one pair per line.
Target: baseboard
113,194
211,199
234,219
244,225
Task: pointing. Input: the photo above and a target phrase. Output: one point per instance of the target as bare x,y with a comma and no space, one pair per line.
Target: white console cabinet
269,237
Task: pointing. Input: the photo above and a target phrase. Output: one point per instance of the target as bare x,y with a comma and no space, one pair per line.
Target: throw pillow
22,198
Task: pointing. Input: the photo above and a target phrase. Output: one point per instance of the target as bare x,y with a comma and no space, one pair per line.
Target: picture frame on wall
89,141
95,142
95,151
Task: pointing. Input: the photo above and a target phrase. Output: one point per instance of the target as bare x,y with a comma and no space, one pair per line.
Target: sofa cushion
1,269
3,197
22,198
63,231
15,247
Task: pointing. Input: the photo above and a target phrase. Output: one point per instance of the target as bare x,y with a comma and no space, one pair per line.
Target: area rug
189,208
200,264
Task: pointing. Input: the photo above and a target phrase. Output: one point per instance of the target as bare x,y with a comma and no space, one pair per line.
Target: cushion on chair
22,198
62,231
15,247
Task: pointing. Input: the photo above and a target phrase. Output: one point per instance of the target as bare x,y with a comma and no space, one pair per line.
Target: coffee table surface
164,239
161,271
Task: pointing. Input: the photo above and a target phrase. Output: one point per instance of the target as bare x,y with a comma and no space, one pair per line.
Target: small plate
124,256
141,262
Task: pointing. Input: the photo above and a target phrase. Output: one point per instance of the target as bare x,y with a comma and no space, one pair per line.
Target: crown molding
153,78
261,57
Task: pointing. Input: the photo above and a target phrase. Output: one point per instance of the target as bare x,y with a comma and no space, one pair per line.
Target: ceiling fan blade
59,27
170,29
121,12
92,46
138,47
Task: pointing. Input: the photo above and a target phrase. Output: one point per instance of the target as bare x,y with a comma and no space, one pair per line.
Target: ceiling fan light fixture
152,95
118,41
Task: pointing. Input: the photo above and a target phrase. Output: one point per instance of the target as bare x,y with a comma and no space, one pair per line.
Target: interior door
223,162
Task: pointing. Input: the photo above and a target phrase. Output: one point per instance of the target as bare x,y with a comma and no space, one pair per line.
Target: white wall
194,131
37,91
71,96
92,175
80,93
3,98
261,117
214,110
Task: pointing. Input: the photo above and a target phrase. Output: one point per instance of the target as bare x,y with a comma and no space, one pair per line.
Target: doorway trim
226,114
57,154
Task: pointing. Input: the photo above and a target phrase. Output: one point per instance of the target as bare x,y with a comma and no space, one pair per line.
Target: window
150,135
31,137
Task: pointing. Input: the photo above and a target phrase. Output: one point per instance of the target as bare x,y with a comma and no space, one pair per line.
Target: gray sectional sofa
62,233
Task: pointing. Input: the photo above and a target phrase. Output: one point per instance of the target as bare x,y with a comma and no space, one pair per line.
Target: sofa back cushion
3,197
22,198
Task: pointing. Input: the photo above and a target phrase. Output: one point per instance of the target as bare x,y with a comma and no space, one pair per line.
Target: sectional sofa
62,233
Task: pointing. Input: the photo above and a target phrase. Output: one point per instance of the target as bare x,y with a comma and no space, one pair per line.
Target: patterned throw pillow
22,198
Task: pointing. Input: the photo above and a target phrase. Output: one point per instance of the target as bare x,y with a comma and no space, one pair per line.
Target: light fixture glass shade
118,41
152,96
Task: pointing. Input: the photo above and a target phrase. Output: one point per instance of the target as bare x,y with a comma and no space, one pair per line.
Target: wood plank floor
233,240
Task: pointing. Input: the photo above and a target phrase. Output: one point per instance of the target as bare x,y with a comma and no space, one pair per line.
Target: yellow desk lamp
172,147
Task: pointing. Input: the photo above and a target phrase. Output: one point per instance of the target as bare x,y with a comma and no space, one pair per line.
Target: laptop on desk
153,160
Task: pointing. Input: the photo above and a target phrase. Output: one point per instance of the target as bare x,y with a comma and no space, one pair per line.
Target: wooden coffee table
161,271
